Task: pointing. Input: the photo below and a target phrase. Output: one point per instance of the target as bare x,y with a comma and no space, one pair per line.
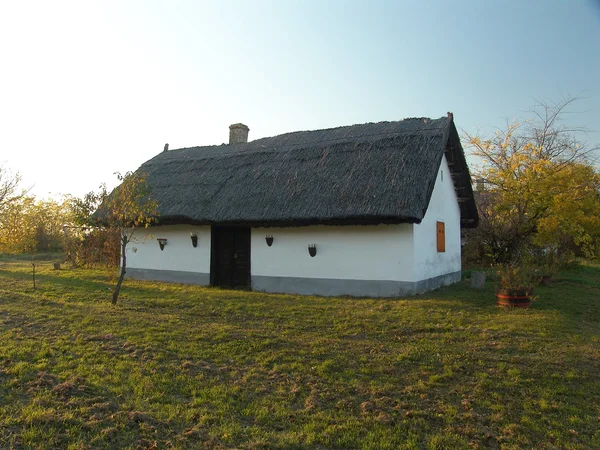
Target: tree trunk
123,266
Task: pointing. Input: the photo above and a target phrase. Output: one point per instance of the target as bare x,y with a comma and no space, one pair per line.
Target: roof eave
297,222
461,177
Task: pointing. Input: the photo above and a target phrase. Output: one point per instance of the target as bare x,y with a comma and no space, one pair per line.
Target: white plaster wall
179,253
374,252
443,207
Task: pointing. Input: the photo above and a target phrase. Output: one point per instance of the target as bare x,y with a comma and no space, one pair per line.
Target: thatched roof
371,173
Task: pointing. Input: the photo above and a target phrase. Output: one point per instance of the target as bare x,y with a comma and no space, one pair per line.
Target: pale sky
88,88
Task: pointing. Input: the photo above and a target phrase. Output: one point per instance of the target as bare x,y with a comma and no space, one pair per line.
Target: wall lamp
194,239
162,242
269,239
312,249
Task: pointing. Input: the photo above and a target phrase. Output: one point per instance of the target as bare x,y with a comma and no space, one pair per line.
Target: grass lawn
177,366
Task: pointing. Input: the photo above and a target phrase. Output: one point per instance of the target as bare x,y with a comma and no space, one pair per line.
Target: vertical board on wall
441,237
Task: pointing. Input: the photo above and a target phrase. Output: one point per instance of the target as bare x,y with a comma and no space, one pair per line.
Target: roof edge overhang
461,177
171,220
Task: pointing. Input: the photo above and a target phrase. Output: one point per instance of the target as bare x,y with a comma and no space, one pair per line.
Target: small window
441,237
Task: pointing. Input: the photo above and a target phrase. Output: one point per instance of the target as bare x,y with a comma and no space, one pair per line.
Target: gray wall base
173,276
356,288
308,286
436,282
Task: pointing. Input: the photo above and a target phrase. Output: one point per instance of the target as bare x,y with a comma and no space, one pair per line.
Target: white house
363,210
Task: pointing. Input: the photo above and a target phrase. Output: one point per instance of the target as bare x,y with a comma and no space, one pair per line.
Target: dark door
230,257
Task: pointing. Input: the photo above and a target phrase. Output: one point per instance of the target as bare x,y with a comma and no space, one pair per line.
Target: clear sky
88,88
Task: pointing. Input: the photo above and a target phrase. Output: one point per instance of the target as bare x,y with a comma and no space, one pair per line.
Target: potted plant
516,285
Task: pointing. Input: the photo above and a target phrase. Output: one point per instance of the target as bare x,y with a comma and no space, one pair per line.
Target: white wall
373,252
179,254
443,207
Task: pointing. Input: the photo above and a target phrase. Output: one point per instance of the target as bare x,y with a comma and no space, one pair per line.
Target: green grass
177,366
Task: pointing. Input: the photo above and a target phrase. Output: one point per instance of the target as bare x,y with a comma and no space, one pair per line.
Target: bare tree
9,183
545,137
558,142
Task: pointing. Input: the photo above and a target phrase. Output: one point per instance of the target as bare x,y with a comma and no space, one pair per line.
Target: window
441,237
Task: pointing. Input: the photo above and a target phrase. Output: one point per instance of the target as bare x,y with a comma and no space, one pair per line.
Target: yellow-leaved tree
541,189
28,225
17,227
573,211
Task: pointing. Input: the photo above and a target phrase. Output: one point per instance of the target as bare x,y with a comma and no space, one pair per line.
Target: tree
81,243
17,227
9,183
573,217
541,186
30,225
49,217
128,207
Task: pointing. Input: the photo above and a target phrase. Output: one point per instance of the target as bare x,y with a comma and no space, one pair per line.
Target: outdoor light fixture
194,239
162,242
269,239
312,249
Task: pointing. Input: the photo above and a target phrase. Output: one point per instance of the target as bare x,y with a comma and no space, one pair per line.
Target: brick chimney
238,133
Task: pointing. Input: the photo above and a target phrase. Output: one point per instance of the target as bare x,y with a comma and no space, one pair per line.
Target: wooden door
230,257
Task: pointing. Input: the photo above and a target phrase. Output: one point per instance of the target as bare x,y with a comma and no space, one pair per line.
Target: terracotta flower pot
520,298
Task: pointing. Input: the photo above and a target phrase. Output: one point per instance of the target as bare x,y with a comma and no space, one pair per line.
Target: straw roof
360,174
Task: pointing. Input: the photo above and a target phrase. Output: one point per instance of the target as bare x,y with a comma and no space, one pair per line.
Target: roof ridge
397,132
347,137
